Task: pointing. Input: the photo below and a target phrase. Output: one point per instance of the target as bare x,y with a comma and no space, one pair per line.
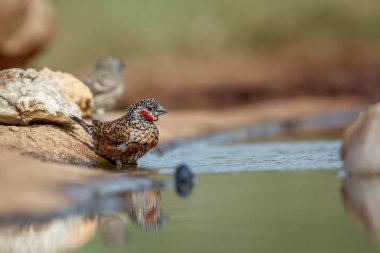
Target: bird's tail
88,128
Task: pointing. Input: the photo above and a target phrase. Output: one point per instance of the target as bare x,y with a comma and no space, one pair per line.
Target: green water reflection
289,211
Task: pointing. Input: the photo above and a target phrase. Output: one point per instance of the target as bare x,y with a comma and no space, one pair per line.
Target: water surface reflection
361,197
142,208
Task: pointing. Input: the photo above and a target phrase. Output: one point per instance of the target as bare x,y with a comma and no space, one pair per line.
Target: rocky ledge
61,144
28,96
34,110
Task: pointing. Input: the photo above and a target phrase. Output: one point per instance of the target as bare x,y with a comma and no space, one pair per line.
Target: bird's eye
150,107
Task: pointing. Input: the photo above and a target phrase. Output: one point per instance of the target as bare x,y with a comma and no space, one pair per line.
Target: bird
106,83
126,139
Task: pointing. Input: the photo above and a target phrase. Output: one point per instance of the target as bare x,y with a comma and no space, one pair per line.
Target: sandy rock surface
361,143
70,88
27,97
69,145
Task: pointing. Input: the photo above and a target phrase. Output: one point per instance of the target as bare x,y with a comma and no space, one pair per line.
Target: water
288,211
250,197
232,156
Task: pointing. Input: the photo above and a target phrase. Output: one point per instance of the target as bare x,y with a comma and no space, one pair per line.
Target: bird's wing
114,133
101,82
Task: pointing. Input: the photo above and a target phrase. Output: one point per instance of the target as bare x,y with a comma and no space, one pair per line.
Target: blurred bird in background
106,83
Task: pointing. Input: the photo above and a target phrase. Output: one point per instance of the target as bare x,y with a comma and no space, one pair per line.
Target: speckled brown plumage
128,138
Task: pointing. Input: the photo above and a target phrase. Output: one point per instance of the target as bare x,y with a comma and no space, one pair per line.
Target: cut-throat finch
129,137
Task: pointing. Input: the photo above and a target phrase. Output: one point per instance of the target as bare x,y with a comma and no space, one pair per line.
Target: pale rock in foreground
27,97
59,235
70,88
361,143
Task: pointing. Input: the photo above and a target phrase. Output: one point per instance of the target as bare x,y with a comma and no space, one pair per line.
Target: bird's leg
119,164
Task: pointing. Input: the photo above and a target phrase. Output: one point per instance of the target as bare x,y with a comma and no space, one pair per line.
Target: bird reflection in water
361,198
143,210
70,233
67,233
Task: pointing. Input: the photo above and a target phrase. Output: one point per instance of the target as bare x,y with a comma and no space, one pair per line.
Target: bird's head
147,109
112,64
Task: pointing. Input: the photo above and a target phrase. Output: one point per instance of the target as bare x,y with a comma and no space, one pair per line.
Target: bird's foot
120,165
131,164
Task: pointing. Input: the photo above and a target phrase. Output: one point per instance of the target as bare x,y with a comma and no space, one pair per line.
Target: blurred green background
89,30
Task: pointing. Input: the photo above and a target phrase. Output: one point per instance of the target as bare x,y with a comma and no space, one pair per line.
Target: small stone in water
184,180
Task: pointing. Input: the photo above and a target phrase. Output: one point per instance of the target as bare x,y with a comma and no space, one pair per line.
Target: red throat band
147,115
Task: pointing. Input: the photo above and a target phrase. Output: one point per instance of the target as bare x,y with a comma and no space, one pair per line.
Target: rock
27,97
59,235
361,143
70,88
26,26
60,144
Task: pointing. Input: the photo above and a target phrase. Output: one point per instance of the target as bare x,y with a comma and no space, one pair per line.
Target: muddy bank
37,178
37,190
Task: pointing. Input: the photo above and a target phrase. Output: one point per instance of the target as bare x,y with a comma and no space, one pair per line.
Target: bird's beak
160,110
